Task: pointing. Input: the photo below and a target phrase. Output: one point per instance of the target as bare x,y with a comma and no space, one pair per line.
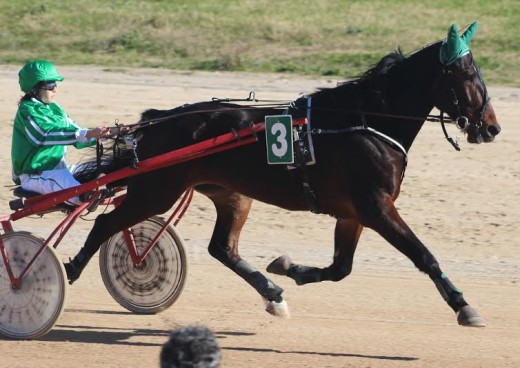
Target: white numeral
281,138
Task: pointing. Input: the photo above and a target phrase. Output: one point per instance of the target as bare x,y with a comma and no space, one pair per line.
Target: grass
312,37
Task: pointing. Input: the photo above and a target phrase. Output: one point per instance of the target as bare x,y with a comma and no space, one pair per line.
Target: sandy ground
463,205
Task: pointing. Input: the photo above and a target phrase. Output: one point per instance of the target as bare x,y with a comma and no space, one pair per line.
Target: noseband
461,121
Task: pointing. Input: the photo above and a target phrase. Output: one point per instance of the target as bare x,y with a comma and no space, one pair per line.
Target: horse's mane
388,62
382,67
378,70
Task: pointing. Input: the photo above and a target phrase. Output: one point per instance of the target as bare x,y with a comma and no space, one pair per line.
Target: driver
42,131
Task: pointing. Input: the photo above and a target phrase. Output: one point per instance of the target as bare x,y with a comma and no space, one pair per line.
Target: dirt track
463,205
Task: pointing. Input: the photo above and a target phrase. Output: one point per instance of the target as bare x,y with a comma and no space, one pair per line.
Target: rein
147,123
462,122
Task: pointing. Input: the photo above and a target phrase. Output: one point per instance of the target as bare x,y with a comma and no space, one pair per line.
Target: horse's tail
110,156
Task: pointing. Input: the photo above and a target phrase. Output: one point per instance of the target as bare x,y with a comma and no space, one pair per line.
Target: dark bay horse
361,133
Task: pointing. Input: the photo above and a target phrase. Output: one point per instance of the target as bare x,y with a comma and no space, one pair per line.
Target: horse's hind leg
232,211
139,204
346,236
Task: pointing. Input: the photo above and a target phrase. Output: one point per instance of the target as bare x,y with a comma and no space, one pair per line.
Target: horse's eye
469,76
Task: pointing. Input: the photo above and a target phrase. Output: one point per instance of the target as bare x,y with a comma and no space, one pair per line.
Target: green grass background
311,37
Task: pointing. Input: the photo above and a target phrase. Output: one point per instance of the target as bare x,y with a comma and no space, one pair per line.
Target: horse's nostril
493,130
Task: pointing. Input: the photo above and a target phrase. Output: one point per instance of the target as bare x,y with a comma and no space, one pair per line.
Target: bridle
461,121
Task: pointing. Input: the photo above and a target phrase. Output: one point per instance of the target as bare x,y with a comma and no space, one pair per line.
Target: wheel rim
31,310
157,281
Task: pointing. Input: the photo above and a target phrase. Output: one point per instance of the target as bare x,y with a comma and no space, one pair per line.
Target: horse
361,131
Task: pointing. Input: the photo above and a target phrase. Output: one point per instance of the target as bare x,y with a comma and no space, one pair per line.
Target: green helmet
37,71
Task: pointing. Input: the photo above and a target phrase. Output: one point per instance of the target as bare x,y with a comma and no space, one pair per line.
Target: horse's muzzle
483,133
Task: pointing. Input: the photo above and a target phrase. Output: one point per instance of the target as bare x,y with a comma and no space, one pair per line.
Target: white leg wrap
277,309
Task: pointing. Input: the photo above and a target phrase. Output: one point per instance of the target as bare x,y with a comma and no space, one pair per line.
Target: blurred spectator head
191,347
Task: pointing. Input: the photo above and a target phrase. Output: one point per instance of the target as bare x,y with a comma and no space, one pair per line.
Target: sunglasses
49,86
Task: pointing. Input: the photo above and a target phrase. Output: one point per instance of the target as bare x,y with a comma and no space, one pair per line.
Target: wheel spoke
158,281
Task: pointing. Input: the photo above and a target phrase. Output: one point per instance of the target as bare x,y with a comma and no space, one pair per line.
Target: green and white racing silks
40,135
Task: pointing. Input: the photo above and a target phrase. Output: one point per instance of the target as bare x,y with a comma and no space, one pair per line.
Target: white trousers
50,181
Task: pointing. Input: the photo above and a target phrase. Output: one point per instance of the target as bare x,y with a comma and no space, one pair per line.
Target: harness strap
99,156
388,139
453,142
301,167
358,128
303,150
309,129
361,128
301,163
310,196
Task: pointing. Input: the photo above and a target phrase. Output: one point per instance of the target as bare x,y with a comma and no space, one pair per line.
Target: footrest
16,204
23,193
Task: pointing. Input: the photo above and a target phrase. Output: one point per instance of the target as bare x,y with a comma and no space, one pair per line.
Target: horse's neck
405,116
395,101
408,98
399,114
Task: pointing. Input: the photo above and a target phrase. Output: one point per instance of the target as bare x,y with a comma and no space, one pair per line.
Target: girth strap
300,164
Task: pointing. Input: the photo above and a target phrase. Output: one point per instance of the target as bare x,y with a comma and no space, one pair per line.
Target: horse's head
460,90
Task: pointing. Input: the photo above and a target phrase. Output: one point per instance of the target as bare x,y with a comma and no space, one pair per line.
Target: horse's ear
468,35
455,46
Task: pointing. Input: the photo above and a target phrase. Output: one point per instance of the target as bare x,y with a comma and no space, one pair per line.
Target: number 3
280,130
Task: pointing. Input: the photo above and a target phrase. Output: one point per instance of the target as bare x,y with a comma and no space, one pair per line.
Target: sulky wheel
157,282
30,310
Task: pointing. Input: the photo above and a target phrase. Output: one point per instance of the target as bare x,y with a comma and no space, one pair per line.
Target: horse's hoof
280,265
468,316
277,309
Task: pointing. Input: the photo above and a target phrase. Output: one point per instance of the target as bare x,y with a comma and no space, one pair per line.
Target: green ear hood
455,46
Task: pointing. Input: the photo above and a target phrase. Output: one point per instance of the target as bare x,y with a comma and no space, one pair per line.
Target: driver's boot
76,265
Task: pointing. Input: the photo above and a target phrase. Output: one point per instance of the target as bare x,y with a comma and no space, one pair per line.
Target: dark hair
191,347
27,97
33,93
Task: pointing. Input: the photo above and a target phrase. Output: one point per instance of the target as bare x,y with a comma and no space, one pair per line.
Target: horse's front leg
385,219
232,211
346,236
